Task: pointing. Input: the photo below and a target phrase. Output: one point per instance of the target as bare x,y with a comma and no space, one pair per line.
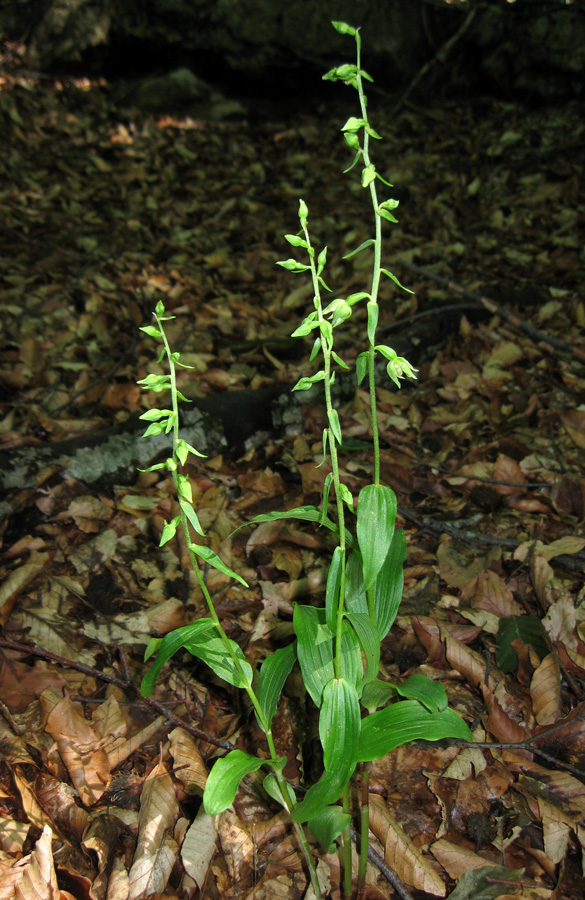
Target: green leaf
307,381
169,531
356,158
528,629
339,728
361,366
339,360
155,428
169,645
184,489
191,515
213,652
332,591
355,298
369,642
376,514
355,597
389,583
207,554
359,249
373,310
328,824
321,260
224,780
431,694
151,331
384,214
314,649
326,489
403,722
376,694
273,673
334,424
395,280
275,789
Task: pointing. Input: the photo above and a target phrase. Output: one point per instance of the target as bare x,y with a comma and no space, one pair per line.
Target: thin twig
122,684
533,333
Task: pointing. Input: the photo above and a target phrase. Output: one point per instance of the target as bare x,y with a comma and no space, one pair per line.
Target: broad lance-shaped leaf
369,642
315,650
213,651
376,514
339,728
273,673
305,514
389,584
332,591
403,722
214,560
224,780
169,645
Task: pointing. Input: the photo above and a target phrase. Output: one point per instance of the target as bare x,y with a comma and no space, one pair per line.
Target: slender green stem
301,836
364,825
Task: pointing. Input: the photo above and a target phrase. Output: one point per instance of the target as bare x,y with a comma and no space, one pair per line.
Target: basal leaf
431,694
314,649
369,642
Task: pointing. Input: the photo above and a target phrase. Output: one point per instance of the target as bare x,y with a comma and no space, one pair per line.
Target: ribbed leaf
314,649
212,651
389,583
274,672
332,592
431,694
404,722
169,645
328,825
339,728
369,642
224,780
376,515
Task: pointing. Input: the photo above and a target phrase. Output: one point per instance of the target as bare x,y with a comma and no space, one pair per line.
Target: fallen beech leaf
456,859
545,691
156,851
79,747
198,847
400,854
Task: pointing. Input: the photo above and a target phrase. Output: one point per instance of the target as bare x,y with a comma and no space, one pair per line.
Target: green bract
337,646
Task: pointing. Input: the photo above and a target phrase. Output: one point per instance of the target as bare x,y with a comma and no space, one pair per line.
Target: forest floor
103,214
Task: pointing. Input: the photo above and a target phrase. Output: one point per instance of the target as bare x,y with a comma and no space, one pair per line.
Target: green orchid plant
337,647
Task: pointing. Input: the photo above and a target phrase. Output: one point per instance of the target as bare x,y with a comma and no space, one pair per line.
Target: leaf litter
105,211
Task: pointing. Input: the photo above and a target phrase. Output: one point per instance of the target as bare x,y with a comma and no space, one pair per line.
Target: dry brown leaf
34,876
545,691
101,837
456,859
236,843
156,851
400,854
17,581
79,746
198,847
188,767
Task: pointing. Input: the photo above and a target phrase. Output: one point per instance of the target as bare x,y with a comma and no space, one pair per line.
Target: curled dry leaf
545,691
188,767
155,851
79,747
33,876
400,853
457,859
